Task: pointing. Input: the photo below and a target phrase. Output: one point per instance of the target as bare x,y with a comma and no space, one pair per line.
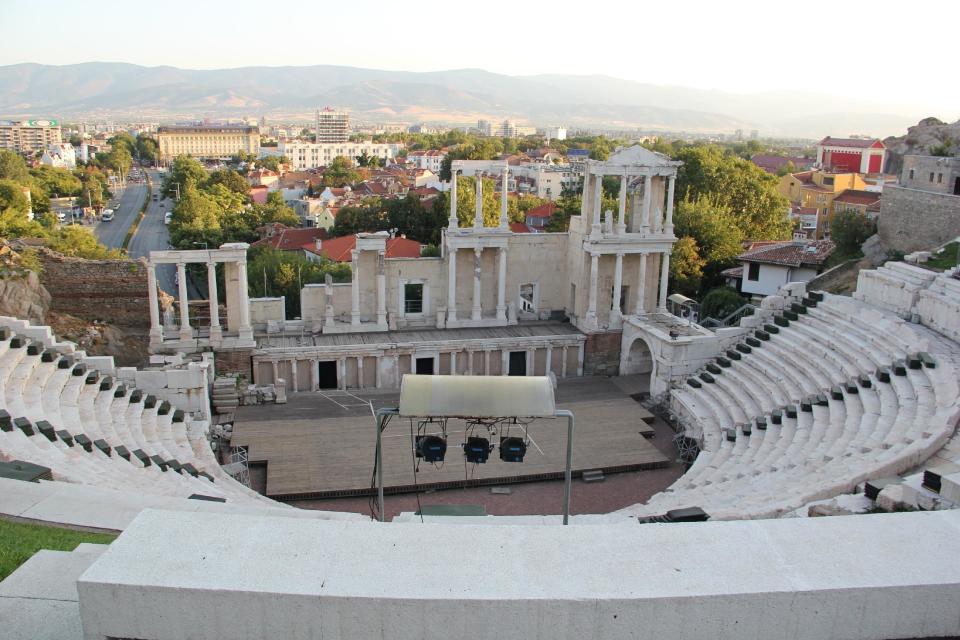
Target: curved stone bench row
750,467
39,388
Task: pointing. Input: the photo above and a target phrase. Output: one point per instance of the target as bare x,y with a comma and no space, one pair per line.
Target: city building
431,160
207,141
863,202
817,189
767,268
309,155
555,133
62,155
29,136
332,126
851,155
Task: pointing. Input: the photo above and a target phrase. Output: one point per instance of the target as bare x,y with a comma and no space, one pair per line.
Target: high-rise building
27,136
332,126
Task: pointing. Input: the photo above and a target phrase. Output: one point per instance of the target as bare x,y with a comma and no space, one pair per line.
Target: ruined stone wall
234,362
914,220
113,291
601,354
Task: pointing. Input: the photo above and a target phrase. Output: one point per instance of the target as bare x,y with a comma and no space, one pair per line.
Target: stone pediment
638,155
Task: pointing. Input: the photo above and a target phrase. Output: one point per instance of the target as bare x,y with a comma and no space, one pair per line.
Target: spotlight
512,449
431,448
477,449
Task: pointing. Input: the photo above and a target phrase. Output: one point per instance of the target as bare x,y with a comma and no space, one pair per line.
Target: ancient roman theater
348,486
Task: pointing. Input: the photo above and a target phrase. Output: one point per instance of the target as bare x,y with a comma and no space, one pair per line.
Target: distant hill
461,96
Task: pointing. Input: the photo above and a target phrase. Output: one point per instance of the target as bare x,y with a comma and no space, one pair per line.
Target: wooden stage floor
322,444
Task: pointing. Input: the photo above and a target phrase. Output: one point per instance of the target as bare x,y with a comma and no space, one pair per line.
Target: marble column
156,329
294,384
453,363
597,204
469,362
647,198
531,361
478,211
216,333
342,378
355,287
664,274
486,362
381,289
615,313
563,363
594,276
477,310
641,285
669,225
376,370
186,332
580,359
245,331
276,371
314,373
359,372
549,362
452,222
622,211
452,284
505,181
502,285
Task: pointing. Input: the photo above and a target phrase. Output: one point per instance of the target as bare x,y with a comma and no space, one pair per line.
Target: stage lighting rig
477,450
431,448
512,449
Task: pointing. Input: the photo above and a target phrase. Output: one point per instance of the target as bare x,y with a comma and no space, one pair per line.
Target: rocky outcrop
922,139
22,296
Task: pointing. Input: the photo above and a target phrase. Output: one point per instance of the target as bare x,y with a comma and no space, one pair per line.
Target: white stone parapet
176,575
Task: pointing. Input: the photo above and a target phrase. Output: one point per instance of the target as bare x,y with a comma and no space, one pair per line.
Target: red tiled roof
288,239
855,196
792,253
339,249
856,143
519,227
772,164
543,211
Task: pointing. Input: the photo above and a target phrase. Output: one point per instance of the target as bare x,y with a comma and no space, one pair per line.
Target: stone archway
639,359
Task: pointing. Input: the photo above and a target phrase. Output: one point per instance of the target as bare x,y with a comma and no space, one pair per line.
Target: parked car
167,217
61,216
107,215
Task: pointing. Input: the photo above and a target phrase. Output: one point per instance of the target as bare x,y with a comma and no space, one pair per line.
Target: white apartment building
28,136
62,155
430,160
549,179
309,155
207,141
555,133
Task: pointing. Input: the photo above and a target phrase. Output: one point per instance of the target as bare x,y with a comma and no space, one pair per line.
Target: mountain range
454,97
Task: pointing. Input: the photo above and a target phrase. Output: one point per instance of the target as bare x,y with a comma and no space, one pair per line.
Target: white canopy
476,396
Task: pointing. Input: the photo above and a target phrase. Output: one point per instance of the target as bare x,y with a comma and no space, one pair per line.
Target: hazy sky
875,50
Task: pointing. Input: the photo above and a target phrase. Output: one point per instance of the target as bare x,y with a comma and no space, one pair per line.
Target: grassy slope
20,541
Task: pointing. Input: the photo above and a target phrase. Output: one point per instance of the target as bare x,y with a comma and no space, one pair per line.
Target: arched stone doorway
639,359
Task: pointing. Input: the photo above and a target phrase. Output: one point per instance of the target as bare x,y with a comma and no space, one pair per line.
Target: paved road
152,235
125,212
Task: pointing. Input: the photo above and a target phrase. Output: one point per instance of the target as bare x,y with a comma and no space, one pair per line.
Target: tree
742,188
80,242
849,230
601,148
231,180
183,169
720,302
13,199
273,163
147,149
686,267
57,182
340,173
12,167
